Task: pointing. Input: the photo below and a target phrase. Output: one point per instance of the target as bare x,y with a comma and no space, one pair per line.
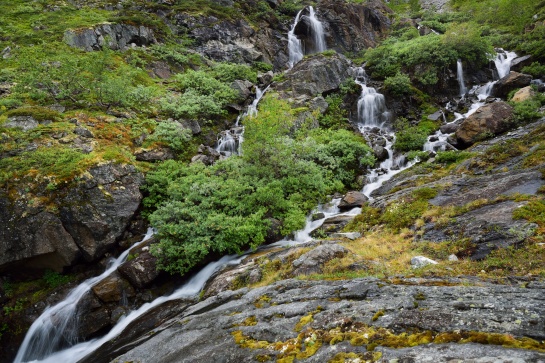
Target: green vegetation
413,137
228,207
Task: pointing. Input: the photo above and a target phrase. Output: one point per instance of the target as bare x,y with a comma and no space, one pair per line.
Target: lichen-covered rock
421,261
24,123
313,261
213,329
510,82
158,154
113,36
487,121
524,94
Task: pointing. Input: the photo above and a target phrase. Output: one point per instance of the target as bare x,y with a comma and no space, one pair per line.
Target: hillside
331,181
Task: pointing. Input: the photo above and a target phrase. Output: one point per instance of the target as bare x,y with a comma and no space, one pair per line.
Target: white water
317,32
460,76
58,324
295,45
230,141
502,61
373,117
189,290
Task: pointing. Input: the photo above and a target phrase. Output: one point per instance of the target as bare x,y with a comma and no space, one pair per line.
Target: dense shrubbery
229,206
425,58
398,85
412,137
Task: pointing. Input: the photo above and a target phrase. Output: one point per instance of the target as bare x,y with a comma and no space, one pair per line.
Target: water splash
57,327
503,62
460,77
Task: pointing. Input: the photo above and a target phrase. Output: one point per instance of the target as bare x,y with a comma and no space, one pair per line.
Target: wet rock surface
489,120
206,331
510,82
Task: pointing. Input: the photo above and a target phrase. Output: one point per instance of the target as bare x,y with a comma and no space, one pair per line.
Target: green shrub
398,85
449,157
54,279
37,112
173,134
536,69
528,111
412,137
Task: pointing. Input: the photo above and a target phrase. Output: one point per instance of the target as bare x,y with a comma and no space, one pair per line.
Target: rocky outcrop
316,75
351,200
351,27
489,120
293,316
113,36
24,123
91,215
312,262
152,155
524,94
509,83
232,40
206,155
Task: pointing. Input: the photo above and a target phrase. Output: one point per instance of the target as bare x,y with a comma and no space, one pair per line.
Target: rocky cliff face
89,218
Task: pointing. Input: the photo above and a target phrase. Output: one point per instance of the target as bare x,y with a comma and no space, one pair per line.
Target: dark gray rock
140,271
193,125
352,199
206,155
112,289
243,88
113,36
98,209
315,75
83,132
159,154
510,82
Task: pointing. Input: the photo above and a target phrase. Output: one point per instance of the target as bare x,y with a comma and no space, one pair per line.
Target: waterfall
57,327
317,31
503,62
295,45
460,76
373,117
230,141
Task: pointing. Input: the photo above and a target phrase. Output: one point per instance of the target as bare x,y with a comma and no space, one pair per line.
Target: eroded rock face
113,36
489,120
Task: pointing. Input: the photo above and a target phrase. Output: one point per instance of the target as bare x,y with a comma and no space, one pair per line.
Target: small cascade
57,327
230,141
318,34
372,111
460,76
296,47
503,62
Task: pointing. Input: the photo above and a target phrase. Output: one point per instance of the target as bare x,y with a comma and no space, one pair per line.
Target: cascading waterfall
373,117
57,327
230,141
295,45
460,76
317,31
503,59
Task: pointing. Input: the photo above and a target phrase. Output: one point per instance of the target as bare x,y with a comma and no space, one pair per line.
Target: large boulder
509,83
489,120
319,74
98,209
524,94
351,200
313,261
24,123
113,36
140,271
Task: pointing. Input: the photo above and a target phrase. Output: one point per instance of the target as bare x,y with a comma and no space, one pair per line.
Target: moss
377,315
304,321
419,296
40,114
262,301
249,321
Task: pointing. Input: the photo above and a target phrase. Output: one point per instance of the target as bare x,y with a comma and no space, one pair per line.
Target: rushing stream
296,48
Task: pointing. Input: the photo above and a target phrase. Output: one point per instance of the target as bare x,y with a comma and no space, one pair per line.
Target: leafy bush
398,85
412,137
449,157
173,134
54,279
535,69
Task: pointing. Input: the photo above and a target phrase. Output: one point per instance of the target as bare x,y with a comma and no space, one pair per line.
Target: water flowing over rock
460,77
207,331
489,120
113,36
